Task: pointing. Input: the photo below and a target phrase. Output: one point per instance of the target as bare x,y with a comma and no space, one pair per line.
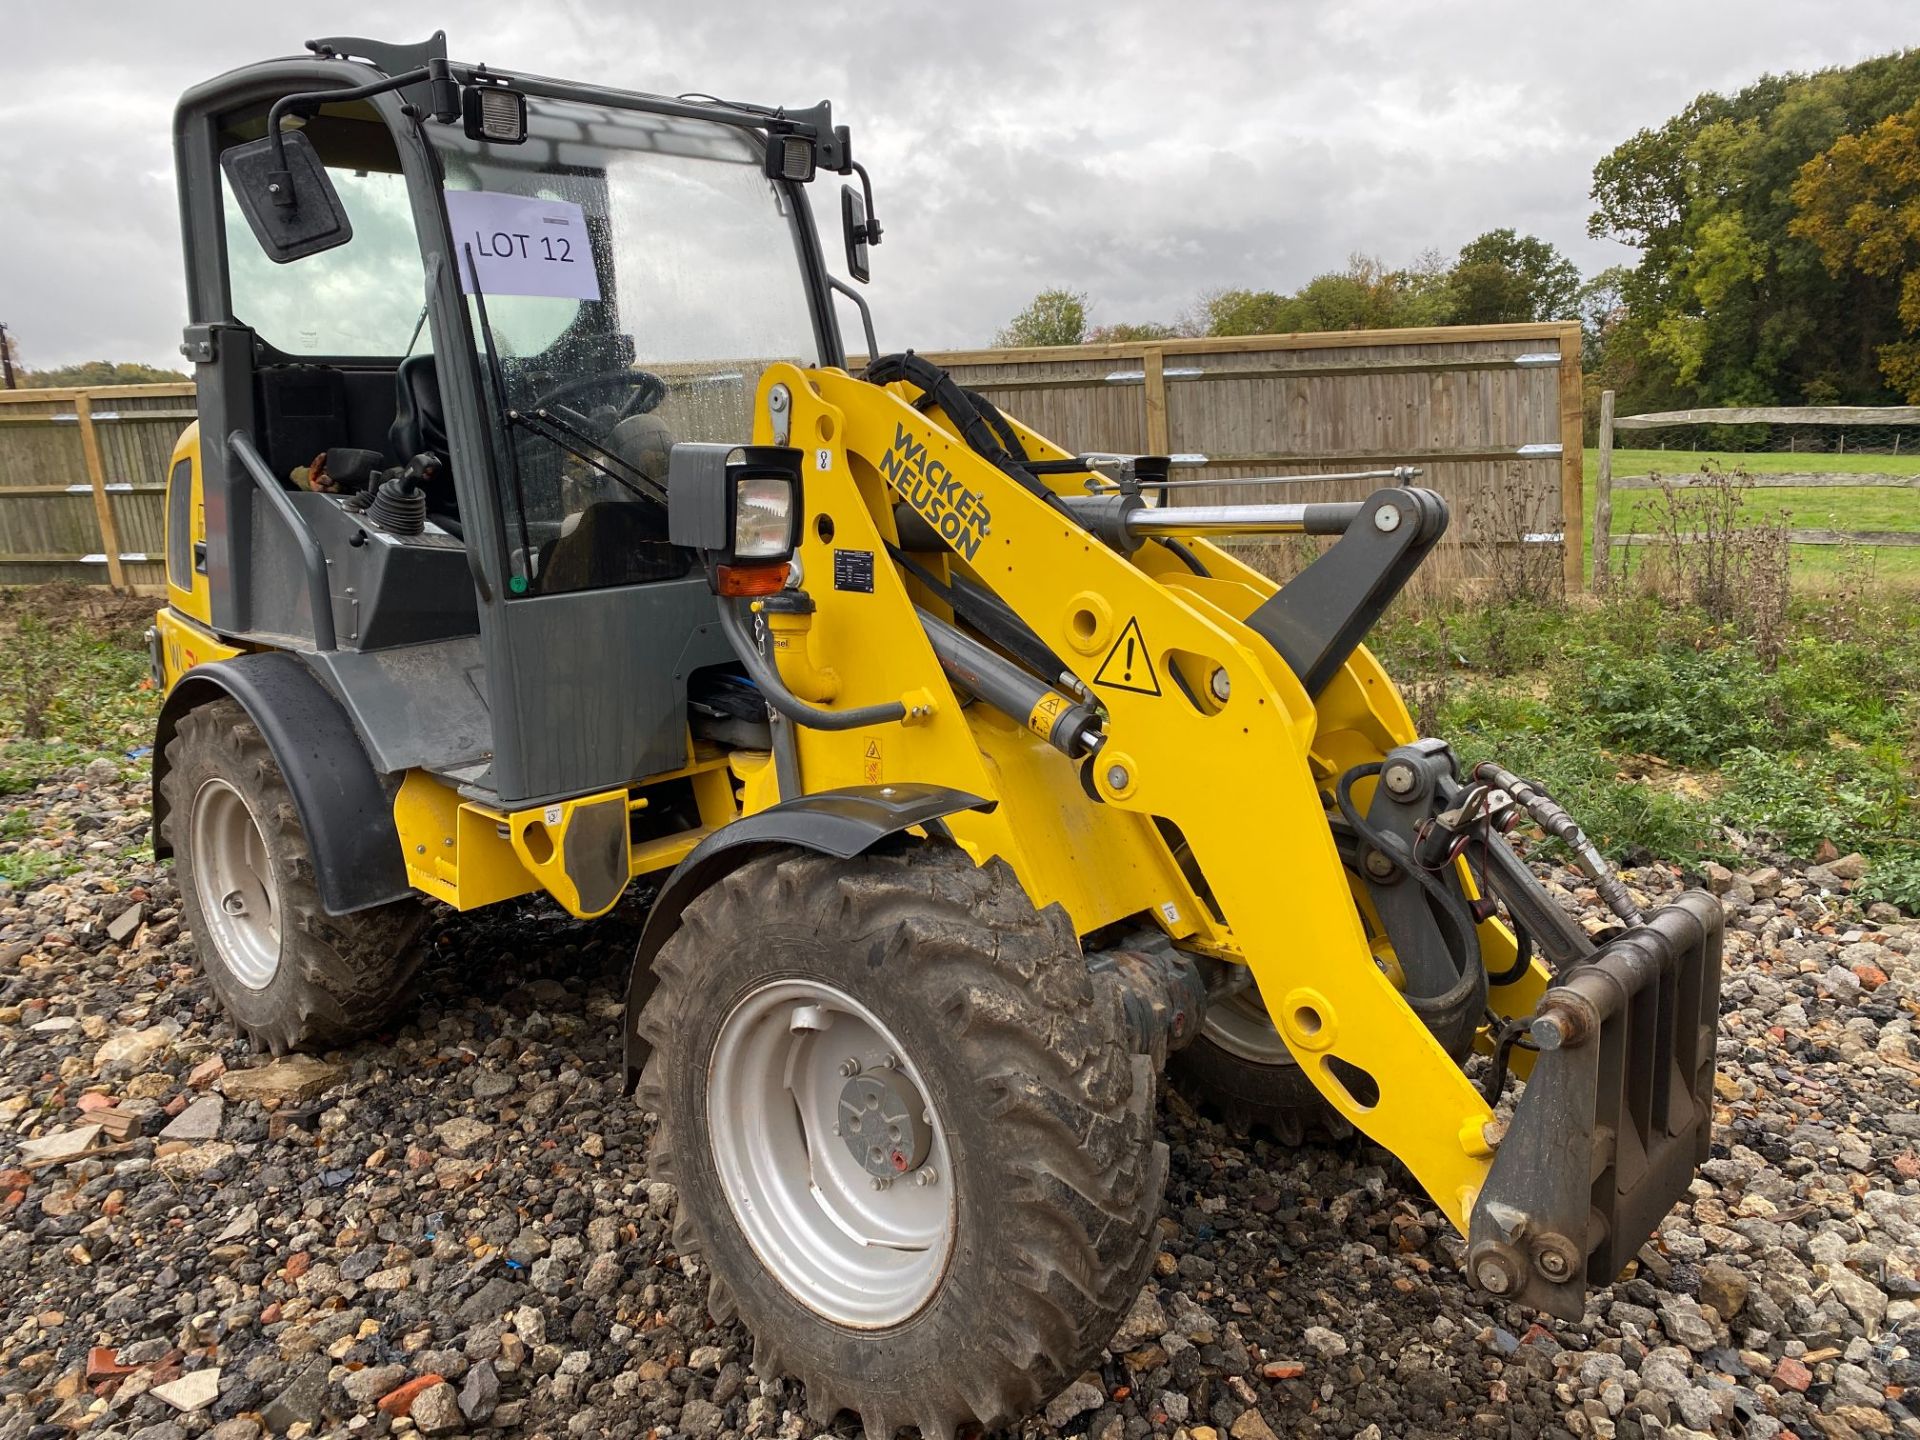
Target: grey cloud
1142,152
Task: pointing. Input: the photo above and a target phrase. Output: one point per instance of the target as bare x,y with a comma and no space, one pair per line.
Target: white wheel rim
233,879
788,1060
1241,1026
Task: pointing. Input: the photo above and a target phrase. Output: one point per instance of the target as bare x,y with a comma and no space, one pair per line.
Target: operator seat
420,428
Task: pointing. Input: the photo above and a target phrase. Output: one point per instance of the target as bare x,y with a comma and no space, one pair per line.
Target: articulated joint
789,620
1162,993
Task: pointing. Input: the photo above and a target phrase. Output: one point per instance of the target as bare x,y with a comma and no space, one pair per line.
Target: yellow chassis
1240,780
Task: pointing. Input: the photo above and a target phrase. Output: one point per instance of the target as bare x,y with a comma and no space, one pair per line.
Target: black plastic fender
841,823
345,809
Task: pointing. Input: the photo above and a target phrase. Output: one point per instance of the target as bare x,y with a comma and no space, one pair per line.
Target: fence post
1603,494
1158,441
97,478
1573,420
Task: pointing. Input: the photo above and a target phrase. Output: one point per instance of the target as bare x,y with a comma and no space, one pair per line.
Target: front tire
289,975
977,1293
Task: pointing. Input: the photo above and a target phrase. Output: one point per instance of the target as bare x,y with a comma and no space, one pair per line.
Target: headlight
762,517
738,505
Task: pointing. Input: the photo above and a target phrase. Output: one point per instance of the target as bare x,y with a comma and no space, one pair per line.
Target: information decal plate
522,246
853,570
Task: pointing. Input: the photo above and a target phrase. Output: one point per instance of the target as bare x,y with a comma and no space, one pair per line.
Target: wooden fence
83,481
1856,416
1490,414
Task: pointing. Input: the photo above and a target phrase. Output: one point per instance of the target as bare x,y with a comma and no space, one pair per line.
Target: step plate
1613,1122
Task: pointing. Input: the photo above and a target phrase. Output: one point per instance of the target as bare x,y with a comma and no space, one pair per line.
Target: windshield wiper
587,451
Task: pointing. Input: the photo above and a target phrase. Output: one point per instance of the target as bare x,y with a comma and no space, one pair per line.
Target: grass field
1835,508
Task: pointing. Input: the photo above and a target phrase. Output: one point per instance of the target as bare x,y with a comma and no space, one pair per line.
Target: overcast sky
1142,152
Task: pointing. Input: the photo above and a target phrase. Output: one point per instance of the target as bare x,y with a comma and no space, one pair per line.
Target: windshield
637,273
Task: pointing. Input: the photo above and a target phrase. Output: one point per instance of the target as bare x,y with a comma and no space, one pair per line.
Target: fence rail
82,476
1491,414
1854,416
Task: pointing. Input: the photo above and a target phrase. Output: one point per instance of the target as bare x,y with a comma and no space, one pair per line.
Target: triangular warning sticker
1128,666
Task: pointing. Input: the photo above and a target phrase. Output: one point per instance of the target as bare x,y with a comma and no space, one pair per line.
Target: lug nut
881,1182
925,1176
850,1067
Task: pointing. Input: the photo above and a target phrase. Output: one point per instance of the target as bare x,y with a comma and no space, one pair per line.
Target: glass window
180,525
360,299
695,287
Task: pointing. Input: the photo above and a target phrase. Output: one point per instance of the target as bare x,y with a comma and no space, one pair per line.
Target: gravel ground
453,1229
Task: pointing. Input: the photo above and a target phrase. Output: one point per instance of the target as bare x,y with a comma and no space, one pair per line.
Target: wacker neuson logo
959,514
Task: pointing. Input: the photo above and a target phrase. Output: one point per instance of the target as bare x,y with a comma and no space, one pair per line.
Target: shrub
1896,880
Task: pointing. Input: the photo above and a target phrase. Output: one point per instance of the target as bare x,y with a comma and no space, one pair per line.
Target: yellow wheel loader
535,537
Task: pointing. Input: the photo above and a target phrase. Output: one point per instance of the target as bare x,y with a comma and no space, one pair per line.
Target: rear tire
1041,1132
289,975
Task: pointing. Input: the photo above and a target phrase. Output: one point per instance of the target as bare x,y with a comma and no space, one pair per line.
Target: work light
740,507
492,112
790,157
762,517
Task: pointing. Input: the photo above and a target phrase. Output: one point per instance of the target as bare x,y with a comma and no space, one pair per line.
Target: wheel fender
841,823
343,806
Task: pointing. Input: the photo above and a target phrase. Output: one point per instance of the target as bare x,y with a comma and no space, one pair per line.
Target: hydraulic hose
984,428
763,674
1562,826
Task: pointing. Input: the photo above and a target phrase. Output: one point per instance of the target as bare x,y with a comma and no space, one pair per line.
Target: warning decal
1128,666
871,763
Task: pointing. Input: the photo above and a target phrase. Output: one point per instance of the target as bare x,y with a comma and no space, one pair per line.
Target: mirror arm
872,236
280,181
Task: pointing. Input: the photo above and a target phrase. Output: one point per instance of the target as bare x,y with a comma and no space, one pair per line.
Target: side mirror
287,197
853,222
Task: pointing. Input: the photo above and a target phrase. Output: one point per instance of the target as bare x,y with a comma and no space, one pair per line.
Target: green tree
1055,317
1235,312
97,372
1859,203
1365,296
1124,331
1504,277
1728,305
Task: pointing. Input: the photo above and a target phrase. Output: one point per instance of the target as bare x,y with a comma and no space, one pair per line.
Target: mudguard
344,808
842,823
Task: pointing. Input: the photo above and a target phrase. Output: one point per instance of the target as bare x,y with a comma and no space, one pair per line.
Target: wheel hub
881,1120
233,880
814,1111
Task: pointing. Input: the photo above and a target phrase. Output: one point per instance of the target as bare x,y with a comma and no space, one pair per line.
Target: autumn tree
1859,203
1728,304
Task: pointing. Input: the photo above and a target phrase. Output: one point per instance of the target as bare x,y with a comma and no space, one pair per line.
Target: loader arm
1220,734
1239,778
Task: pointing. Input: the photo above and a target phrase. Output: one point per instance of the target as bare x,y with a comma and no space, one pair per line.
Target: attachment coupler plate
1615,1117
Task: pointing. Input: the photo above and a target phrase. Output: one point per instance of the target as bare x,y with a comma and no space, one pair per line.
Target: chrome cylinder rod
1399,475
1331,518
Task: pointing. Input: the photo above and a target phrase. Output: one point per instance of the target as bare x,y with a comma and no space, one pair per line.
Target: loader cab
523,319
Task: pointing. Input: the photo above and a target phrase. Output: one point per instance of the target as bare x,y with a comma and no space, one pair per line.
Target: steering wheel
645,390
